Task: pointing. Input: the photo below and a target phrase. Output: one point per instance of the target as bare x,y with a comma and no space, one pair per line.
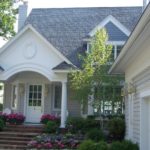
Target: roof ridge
90,7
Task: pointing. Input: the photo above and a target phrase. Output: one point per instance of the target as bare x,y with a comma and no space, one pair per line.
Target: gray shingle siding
65,28
114,33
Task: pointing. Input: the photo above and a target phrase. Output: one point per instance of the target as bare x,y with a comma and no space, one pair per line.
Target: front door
34,103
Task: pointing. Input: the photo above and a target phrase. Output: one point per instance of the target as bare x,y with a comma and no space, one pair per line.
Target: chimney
145,2
22,14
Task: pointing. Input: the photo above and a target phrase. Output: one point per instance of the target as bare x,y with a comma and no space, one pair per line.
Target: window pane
39,103
30,95
34,102
112,54
119,47
57,102
35,88
35,95
39,88
30,102
39,95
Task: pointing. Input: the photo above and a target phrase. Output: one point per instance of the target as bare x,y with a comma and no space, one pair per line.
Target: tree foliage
7,18
94,72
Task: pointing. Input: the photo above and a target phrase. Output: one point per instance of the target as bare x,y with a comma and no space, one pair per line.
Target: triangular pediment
113,26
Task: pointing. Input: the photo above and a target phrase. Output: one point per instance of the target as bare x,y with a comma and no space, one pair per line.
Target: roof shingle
65,28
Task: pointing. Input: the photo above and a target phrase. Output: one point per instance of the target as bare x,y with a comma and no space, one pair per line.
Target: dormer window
116,48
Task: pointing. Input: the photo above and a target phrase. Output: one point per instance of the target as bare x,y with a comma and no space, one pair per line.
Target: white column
63,105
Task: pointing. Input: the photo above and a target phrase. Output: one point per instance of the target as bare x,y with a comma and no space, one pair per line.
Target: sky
77,3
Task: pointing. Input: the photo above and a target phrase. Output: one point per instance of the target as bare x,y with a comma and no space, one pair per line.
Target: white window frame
113,43
55,109
12,96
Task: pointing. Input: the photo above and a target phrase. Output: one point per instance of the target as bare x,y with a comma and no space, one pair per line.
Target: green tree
93,76
7,18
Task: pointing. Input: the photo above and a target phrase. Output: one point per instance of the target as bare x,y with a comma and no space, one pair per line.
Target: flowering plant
47,141
47,117
15,118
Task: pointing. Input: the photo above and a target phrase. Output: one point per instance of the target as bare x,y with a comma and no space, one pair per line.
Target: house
134,62
35,63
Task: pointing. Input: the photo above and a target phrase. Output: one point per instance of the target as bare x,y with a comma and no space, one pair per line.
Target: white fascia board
112,19
115,42
29,26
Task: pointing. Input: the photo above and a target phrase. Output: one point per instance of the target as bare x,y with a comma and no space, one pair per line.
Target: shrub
116,146
87,145
3,116
95,135
91,123
75,124
51,127
101,146
127,145
47,117
116,127
15,118
2,124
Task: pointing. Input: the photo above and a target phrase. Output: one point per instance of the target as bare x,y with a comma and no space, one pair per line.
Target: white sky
79,3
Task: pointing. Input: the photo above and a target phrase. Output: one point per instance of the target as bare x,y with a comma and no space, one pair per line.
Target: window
14,97
116,49
35,95
57,96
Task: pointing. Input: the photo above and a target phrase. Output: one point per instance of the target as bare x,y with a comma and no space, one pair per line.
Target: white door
34,103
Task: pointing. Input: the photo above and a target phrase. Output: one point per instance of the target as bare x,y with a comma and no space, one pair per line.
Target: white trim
112,19
29,26
62,71
115,42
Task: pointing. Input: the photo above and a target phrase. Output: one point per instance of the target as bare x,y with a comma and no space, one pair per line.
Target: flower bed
60,141
15,118
48,117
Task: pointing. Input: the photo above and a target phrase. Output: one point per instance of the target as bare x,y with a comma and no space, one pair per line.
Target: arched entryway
33,94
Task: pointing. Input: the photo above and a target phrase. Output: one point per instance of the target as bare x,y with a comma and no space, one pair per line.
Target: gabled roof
37,34
64,66
65,28
110,21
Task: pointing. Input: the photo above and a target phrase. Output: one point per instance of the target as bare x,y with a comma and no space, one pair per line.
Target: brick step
17,134
14,142
25,126
36,130
10,147
9,138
